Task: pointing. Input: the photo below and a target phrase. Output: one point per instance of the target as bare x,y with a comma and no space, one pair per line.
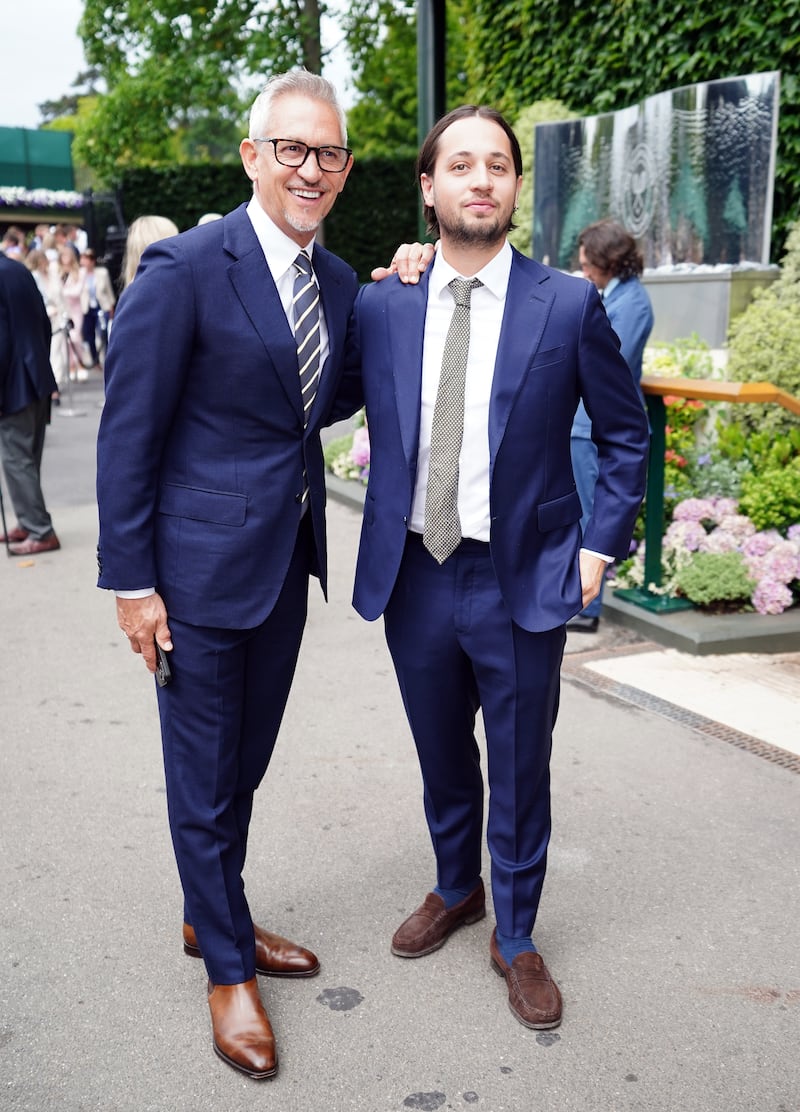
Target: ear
519,190
249,154
426,185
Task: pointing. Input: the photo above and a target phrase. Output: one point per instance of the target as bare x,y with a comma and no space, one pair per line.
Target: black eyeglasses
291,153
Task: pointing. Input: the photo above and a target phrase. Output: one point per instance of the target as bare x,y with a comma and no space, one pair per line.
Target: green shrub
714,577
764,344
771,499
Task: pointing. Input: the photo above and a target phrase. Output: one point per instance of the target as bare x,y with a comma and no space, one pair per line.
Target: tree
382,44
179,77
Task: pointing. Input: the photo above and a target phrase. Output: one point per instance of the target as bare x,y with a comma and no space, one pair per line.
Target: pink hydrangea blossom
759,544
694,509
770,597
685,534
359,453
738,526
719,540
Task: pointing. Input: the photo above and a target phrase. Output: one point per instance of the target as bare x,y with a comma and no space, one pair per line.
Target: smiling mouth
307,194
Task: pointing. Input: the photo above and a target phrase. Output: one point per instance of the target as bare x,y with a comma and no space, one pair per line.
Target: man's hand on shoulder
409,261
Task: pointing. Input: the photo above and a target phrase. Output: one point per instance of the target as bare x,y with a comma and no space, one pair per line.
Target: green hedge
601,55
377,210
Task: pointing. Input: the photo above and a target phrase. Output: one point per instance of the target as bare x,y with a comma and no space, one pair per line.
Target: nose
310,170
481,178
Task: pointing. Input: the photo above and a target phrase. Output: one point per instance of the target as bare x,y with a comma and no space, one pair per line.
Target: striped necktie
442,525
305,315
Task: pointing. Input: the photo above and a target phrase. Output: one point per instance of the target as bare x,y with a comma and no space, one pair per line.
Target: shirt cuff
143,592
599,555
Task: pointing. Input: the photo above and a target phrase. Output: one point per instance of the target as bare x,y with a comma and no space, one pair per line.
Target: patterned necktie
442,525
305,314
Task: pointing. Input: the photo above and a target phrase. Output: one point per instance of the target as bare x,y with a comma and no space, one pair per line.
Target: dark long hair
429,151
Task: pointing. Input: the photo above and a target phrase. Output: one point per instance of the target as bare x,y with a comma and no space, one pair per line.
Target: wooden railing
655,389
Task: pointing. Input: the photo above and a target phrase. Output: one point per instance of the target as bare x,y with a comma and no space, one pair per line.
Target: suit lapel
528,304
258,294
336,318
406,309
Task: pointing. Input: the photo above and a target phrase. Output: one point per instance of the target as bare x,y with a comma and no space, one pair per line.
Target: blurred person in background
610,259
97,304
47,280
26,387
143,231
73,281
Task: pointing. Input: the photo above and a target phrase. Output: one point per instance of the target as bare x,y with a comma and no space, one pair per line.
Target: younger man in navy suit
471,543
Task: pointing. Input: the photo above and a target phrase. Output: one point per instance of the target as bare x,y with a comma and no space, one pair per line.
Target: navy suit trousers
455,650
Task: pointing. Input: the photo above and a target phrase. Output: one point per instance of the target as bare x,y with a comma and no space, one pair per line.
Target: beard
484,233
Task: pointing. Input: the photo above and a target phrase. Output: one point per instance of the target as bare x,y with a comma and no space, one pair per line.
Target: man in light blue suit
211,494
479,622
608,257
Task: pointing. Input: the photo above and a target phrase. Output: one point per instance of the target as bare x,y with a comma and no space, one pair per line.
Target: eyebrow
472,154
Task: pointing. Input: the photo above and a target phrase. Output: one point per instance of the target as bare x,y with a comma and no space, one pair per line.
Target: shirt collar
279,249
494,275
610,286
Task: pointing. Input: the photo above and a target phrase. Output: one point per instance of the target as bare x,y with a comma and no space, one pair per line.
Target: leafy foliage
765,343
544,111
180,77
771,499
715,577
609,54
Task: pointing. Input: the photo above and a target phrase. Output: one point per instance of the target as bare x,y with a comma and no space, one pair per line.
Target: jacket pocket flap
559,512
216,506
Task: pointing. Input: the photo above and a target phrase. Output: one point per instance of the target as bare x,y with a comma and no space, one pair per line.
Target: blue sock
510,947
452,896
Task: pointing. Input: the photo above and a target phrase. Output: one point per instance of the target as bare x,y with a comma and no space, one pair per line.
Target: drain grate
574,671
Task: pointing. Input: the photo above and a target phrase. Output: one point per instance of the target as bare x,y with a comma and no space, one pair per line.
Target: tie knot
461,289
303,264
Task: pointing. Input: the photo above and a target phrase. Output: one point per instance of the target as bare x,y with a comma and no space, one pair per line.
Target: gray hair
302,83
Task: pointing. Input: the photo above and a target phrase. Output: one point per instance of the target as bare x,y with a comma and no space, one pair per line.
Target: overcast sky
42,56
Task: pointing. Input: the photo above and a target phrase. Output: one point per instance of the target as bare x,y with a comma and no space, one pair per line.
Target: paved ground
670,916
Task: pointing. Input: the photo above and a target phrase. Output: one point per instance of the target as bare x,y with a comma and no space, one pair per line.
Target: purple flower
694,509
719,540
793,533
359,453
738,526
770,597
687,534
759,544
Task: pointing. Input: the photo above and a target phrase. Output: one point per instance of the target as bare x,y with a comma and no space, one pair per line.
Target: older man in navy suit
225,359
26,387
471,544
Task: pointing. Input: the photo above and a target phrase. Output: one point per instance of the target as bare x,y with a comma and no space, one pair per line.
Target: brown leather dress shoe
14,535
242,1032
432,923
30,547
533,995
275,956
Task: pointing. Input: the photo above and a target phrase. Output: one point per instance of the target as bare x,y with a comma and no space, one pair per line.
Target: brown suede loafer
533,995
275,956
432,923
31,547
242,1032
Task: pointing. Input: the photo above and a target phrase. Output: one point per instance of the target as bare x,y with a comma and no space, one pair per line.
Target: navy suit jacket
202,449
631,315
556,346
25,372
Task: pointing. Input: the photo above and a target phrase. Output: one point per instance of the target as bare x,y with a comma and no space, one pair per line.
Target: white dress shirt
486,319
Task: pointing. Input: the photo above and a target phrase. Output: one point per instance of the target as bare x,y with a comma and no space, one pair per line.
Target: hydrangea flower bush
770,560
